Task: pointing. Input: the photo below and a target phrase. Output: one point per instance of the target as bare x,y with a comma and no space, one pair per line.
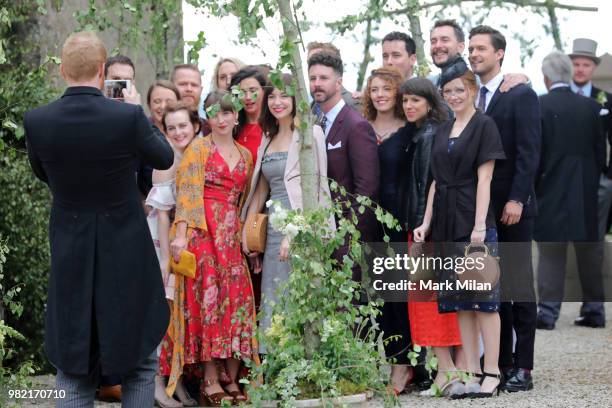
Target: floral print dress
218,302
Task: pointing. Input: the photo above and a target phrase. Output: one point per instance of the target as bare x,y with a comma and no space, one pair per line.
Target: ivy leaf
212,110
9,124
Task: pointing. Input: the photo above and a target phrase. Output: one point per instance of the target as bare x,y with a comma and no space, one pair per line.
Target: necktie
580,92
323,122
482,100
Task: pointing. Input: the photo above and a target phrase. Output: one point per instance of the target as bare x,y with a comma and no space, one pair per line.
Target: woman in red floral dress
213,316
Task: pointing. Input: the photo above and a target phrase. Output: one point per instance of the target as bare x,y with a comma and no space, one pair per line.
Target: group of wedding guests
453,157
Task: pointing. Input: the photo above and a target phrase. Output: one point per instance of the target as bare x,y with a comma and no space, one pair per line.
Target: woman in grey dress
277,177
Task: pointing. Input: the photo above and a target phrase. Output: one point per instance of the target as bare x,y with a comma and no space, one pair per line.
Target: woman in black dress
459,210
382,107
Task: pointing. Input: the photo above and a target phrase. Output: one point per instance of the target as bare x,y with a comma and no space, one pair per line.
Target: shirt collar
586,88
494,83
333,113
558,85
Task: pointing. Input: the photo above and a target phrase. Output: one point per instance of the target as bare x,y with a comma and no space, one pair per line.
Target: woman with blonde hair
224,71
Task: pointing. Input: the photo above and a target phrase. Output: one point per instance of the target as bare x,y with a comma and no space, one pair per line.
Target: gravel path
573,368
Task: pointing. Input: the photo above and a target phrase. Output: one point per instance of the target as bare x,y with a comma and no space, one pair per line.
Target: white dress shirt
586,88
332,114
492,86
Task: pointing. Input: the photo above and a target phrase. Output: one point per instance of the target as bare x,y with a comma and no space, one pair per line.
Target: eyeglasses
447,93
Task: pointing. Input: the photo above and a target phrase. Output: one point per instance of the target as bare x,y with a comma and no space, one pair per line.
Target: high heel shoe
452,386
236,395
470,388
495,390
183,395
212,400
397,392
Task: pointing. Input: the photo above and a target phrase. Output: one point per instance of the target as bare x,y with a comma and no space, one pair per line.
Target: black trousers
551,279
518,311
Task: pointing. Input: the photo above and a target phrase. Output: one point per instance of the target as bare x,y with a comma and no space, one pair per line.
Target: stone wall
51,30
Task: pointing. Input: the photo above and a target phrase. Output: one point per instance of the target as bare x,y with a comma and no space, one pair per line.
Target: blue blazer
518,119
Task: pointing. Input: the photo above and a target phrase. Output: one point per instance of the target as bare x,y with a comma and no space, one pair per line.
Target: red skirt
427,326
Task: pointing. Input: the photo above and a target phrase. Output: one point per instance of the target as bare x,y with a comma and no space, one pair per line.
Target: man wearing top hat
585,61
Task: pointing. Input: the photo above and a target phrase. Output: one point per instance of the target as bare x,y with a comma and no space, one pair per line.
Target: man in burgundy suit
352,153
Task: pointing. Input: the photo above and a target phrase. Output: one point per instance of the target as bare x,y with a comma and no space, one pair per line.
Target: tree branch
522,3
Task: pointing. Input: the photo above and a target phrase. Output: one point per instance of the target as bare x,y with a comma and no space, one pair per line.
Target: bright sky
221,35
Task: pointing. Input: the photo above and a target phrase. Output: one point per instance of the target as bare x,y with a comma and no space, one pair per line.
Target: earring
236,123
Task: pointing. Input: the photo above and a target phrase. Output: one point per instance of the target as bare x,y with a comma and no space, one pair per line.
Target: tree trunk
417,36
554,23
308,177
368,41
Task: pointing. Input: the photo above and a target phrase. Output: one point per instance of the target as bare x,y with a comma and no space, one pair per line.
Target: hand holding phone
113,88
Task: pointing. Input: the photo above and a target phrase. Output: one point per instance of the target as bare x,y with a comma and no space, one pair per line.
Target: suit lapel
494,100
337,125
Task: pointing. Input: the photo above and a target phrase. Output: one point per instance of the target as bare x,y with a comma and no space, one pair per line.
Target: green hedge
24,215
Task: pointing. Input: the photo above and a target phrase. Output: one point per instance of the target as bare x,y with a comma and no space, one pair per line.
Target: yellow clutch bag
256,231
186,266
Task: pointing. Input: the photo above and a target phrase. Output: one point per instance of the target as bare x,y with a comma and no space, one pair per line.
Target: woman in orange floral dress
213,314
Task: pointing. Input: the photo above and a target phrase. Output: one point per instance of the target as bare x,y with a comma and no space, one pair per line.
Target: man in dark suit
106,309
517,115
352,153
566,187
585,61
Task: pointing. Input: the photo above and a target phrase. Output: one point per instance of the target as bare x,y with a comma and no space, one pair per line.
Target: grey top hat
584,47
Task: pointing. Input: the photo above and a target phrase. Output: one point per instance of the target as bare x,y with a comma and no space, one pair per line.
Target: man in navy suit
517,115
106,308
352,153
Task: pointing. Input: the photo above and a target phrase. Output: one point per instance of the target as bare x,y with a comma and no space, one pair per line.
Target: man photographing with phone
106,309
120,73
120,85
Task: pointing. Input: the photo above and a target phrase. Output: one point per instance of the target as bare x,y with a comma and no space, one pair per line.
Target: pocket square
603,112
336,146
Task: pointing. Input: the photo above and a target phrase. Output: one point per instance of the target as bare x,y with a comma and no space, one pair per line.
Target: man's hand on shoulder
512,80
132,96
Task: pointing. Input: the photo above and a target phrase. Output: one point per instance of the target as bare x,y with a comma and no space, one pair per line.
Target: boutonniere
602,99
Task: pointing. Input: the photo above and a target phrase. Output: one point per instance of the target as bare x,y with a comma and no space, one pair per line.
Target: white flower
278,217
291,230
269,203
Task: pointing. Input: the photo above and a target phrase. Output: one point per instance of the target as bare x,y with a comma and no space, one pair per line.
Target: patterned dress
218,302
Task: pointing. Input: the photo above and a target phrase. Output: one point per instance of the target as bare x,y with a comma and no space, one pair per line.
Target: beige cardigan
292,171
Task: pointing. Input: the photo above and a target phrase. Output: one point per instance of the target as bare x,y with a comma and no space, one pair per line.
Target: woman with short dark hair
424,108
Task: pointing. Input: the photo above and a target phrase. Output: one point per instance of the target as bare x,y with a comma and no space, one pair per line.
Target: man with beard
584,59
354,102
187,79
447,45
352,152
